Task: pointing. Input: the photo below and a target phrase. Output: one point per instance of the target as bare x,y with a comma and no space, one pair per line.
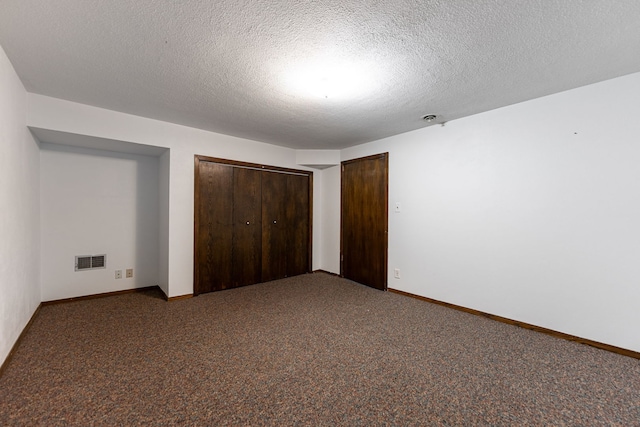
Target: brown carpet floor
308,350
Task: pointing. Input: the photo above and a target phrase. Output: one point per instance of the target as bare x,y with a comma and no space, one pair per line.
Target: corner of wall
20,215
163,233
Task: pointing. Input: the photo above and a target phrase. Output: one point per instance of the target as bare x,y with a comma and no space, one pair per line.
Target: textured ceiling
235,66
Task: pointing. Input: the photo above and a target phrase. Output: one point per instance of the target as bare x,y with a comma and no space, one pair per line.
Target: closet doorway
252,223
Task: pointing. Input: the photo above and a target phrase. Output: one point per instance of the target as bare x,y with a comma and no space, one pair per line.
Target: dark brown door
364,220
298,222
214,227
274,226
247,227
252,223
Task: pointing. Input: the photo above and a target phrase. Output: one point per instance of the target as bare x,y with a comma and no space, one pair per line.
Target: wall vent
90,262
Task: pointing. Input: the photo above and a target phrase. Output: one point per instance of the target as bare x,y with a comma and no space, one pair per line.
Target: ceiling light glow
337,80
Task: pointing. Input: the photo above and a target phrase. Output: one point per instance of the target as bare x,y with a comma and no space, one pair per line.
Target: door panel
364,220
297,225
275,224
214,228
247,227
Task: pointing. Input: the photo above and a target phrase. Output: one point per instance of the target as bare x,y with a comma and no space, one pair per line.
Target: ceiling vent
90,262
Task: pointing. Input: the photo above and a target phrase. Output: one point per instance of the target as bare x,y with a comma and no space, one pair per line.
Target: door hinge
341,257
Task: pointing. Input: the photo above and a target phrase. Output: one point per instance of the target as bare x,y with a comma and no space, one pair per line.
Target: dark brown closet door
274,226
247,227
298,225
364,220
214,228
252,223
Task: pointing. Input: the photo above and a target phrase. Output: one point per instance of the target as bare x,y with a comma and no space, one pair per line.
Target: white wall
329,211
530,212
19,214
184,142
163,218
97,202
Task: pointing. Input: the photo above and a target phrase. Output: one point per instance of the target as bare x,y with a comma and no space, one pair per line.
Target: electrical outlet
118,274
396,273
129,273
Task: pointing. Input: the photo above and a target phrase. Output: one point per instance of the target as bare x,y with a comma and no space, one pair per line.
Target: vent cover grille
98,261
90,262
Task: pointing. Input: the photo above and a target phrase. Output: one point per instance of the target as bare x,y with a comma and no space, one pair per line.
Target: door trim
247,165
